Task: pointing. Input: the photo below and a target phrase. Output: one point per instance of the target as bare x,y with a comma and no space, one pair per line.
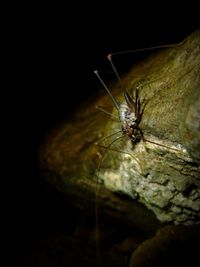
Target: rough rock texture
165,177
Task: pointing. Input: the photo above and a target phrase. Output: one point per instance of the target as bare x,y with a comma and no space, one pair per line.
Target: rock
161,171
171,246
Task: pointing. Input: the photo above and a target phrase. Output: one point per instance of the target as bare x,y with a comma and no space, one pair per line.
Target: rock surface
166,177
171,246
163,171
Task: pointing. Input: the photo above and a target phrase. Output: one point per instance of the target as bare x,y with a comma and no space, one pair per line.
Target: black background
54,51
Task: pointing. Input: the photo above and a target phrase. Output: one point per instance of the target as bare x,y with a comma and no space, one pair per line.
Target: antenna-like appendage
143,49
134,51
114,68
116,104
105,111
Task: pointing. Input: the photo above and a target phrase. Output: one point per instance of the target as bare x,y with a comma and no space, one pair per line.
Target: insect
129,113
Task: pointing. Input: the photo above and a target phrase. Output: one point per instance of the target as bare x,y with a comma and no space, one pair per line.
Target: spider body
130,117
129,113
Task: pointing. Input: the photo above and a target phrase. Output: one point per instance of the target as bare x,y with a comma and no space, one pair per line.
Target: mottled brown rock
162,171
190,126
165,177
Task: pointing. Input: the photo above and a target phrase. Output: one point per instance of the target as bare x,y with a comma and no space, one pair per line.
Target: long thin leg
113,149
144,49
105,111
134,51
137,104
114,68
116,104
105,137
146,140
